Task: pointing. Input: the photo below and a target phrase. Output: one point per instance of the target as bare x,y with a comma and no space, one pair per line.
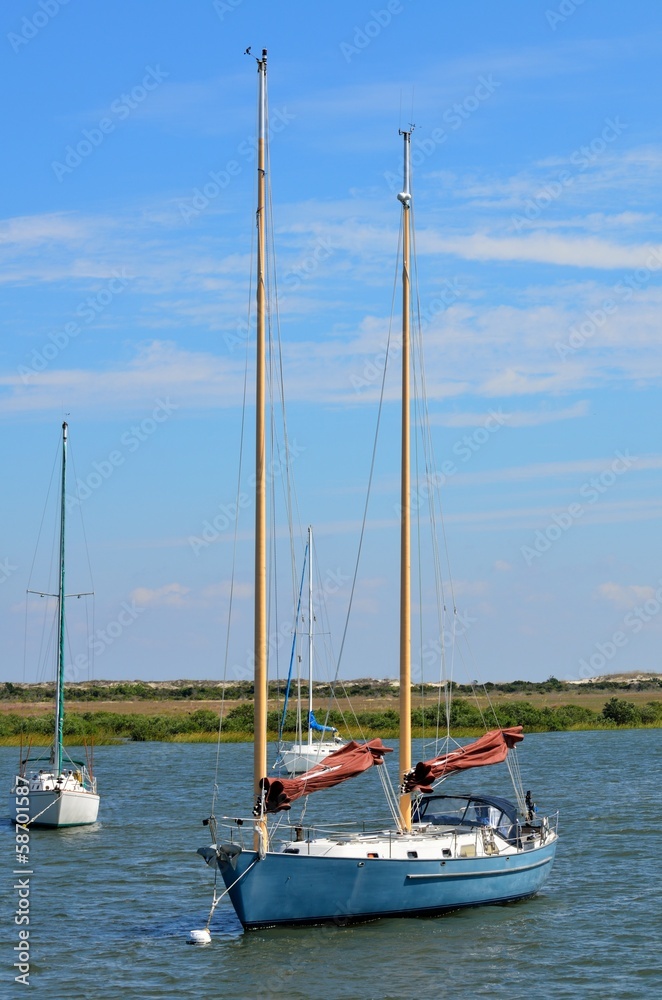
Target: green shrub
623,713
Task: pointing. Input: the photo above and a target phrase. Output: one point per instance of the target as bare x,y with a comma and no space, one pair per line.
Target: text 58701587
22,885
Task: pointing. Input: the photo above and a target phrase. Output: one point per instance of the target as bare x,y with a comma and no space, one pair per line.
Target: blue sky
124,302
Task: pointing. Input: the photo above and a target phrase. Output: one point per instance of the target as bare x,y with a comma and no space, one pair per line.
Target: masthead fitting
405,195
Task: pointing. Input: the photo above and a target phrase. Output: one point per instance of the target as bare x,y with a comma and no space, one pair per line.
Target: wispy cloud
37,230
238,590
171,595
625,596
541,248
513,418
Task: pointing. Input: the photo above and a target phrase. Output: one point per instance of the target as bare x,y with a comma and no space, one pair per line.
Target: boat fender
227,854
209,856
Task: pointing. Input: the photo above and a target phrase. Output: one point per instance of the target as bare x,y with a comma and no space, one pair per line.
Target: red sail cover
492,748
350,760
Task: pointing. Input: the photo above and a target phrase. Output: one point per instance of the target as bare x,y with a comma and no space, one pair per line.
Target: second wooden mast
405,497
260,637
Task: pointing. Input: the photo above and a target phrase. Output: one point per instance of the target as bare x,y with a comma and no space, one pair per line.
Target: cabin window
412,854
373,855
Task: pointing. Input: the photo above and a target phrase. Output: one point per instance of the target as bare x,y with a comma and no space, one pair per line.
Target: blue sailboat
443,852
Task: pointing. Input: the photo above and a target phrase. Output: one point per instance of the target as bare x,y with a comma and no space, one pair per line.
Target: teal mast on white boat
59,792
59,698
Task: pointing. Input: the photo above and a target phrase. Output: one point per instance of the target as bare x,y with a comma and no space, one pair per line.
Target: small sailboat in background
444,851
51,789
304,754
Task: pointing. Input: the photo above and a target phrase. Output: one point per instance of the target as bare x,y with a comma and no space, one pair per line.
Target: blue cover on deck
316,727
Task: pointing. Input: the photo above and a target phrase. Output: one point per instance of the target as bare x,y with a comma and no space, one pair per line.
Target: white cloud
37,230
513,418
224,589
541,248
469,588
158,369
575,469
625,596
172,595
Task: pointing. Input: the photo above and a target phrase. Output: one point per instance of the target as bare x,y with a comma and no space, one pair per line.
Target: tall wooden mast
260,638
405,499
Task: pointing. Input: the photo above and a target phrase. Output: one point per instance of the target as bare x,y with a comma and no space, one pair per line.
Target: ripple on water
113,904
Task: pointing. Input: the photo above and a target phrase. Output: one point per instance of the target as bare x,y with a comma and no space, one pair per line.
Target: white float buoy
199,937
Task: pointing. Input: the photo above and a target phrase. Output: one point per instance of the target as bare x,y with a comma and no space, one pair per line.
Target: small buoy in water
199,937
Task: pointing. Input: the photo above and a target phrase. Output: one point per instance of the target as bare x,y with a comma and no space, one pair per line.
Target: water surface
112,905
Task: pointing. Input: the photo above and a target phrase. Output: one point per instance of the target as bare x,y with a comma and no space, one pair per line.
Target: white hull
48,803
302,756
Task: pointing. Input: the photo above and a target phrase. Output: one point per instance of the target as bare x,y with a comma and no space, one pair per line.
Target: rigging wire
90,634
44,642
233,567
372,465
430,466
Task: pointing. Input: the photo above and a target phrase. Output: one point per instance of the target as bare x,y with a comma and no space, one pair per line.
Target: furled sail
317,727
347,762
492,748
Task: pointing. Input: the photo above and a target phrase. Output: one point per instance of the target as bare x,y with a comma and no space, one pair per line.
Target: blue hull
286,889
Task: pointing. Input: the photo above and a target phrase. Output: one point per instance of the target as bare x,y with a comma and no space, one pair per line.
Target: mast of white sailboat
260,638
405,530
310,633
59,698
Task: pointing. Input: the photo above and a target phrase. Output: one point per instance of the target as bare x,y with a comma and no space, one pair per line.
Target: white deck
66,799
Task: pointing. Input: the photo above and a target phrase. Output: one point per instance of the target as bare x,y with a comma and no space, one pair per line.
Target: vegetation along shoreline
188,711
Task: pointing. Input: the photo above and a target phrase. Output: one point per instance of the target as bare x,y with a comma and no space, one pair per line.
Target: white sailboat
304,754
448,851
52,790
